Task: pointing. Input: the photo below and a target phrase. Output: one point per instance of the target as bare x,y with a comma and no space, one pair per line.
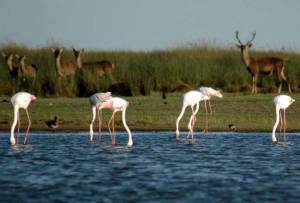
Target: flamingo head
33,97
292,100
219,94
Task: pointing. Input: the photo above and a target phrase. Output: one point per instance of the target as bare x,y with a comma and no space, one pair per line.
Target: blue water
218,167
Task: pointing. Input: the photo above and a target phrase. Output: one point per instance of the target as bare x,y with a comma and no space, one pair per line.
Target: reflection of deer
63,68
265,65
27,70
100,67
14,69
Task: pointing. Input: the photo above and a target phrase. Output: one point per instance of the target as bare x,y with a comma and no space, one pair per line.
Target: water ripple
217,167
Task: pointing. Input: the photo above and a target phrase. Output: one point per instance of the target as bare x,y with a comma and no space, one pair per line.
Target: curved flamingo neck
130,142
12,139
276,124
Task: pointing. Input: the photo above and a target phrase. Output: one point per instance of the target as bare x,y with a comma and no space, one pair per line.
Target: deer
264,65
63,68
14,69
27,70
100,67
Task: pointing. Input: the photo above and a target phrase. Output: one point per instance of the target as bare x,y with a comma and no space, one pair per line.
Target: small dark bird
232,127
52,123
164,95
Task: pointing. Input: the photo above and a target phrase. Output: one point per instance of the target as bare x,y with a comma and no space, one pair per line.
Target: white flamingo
281,102
209,92
96,100
20,100
114,103
191,99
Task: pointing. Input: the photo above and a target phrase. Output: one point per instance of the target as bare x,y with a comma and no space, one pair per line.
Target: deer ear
250,45
53,50
61,49
238,46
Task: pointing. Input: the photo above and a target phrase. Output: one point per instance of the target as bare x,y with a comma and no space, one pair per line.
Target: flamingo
209,92
191,99
96,100
281,103
116,104
20,100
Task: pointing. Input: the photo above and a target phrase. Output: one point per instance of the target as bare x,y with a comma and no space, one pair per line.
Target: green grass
247,112
147,72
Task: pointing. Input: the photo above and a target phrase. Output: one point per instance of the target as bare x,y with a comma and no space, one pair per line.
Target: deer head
9,60
21,59
57,52
247,45
77,53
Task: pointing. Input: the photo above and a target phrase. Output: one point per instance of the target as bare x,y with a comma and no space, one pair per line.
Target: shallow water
218,167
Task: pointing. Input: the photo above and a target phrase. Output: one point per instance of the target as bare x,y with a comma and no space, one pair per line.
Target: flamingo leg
190,126
99,122
113,129
280,122
92,122
205,129
29,125
193,120
18,127
284,126
111,121
209,107
196,111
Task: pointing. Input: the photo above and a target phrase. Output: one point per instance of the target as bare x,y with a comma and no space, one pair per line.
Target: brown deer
14,69
265,65
27,70
100,67
63,68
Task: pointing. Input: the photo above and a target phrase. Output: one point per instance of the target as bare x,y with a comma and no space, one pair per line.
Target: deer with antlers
100,67
14,69
27,70
265,65
63,68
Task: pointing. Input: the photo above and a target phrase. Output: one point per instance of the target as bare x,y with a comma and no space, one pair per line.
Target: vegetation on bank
246,112
141,73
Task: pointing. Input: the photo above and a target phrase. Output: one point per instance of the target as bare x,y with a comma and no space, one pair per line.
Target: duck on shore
52,123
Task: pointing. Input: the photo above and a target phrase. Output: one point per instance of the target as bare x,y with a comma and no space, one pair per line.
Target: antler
253,36
237,37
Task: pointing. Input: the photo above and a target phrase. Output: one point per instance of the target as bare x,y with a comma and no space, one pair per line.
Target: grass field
247,112
143,72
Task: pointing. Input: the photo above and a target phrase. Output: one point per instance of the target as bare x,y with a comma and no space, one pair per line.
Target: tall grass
144,72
